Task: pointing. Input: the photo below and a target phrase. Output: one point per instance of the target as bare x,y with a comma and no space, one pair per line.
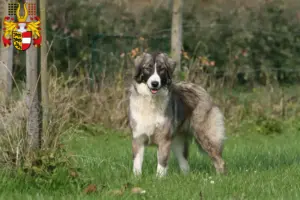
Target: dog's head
155,70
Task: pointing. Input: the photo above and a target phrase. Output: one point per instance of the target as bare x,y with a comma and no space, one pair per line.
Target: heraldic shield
22,41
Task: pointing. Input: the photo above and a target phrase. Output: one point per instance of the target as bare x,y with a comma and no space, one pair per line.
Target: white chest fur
147,110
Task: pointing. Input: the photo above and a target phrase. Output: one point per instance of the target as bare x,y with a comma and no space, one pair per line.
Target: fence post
6,63
176,40
32,86
44,66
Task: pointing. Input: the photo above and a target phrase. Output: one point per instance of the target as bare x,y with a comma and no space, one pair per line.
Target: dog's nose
154,84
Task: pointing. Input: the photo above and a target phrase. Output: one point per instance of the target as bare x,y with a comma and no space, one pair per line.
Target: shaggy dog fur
167,114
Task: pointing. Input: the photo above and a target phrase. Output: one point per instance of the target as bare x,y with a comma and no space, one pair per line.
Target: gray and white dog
166,114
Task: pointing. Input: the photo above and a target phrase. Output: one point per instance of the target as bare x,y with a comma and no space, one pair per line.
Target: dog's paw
159,175
161,171
137,173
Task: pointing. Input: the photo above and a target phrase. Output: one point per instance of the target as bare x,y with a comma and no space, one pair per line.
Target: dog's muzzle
154,87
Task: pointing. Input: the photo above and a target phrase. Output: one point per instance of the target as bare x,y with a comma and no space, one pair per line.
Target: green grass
260,167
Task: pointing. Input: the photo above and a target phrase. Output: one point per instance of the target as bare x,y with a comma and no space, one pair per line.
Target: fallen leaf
117,192
73,174
90,188
138,190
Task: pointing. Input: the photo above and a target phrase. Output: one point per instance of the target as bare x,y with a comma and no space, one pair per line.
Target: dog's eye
161,71
147,70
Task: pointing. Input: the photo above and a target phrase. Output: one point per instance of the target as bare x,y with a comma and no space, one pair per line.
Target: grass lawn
260,167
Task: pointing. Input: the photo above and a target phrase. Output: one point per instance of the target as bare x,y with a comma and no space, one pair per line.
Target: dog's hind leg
210,134
180,147
214,151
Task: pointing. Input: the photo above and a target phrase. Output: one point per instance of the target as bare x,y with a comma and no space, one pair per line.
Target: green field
259,167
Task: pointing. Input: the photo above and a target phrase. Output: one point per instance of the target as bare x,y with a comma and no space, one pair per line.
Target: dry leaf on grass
73,174
90,188
117,192
134,190
138,190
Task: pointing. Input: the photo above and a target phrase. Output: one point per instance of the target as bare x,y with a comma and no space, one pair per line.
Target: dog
168,115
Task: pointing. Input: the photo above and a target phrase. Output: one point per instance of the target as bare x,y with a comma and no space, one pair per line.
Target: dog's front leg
163,154
138,156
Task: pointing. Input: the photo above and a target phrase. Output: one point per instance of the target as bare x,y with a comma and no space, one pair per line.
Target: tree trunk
6,62
176,39
44,64
32,100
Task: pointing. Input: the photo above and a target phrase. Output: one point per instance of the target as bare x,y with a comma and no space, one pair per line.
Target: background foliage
250,43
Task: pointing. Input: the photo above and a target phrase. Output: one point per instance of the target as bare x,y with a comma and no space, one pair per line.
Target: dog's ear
171,64
139,59
138,63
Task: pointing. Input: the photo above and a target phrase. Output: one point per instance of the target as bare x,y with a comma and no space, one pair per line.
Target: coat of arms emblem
24,32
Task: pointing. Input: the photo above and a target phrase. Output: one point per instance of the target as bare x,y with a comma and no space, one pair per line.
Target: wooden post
6,62
44,64
176,39
32,99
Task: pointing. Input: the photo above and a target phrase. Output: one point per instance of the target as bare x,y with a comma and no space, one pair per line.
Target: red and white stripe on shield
26,40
